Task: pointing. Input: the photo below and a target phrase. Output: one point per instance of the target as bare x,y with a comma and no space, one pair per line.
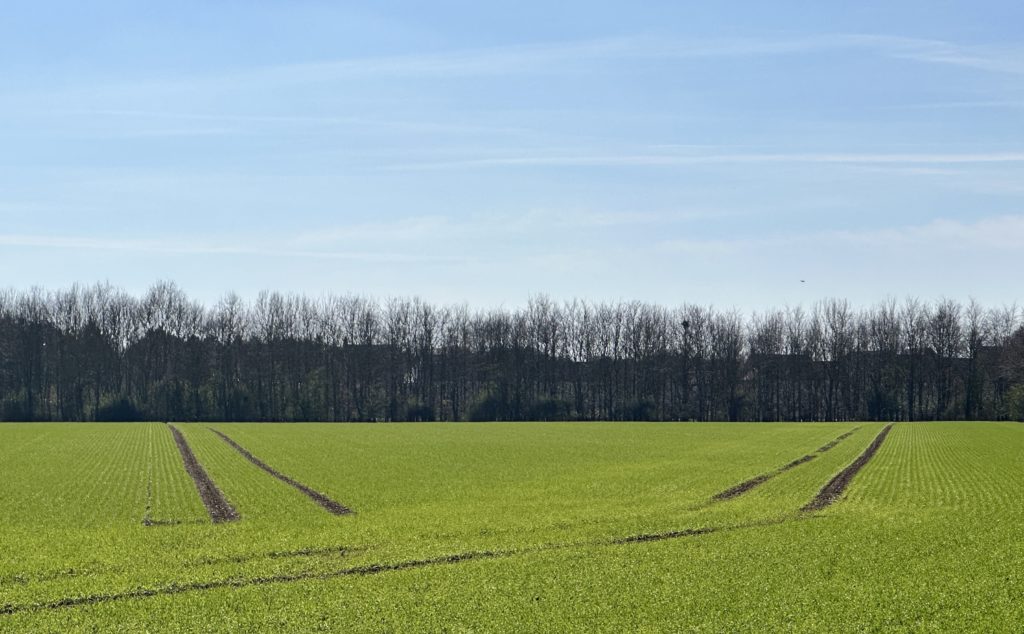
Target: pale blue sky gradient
480,152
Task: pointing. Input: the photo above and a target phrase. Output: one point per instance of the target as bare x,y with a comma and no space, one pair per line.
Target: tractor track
747,485
311,552
174,588
837,485
216,504
327,503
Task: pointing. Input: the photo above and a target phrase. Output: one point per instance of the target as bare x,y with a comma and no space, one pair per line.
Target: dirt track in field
693,532
746,485
327,503
216,504
837,485
312,552
836,441
151,522
179,588
374,569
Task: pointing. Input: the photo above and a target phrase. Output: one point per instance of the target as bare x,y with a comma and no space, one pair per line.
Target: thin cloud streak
668,160
956,105
559,56
940,235
546,57
165,248
291,120
436,229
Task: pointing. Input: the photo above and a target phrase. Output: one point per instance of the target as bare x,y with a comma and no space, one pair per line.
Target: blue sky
712,153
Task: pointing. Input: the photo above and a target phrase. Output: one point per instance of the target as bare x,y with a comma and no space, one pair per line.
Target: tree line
99,353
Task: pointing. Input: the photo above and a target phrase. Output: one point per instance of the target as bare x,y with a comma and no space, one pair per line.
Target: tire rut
747,485
375,569
327,503
245,558
837,485
218,507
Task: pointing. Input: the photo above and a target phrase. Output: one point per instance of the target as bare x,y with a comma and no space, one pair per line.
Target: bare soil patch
837,485
327,503
216,504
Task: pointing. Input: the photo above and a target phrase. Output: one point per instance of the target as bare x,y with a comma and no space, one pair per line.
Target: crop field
557,527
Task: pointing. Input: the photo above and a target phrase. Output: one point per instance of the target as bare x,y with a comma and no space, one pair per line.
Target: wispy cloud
486,229
964,105
231,122
31,208
170,247
558,57
548,57
667,159
987,58
997,233
996,179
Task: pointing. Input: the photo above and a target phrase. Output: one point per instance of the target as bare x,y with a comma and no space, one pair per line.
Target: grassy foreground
929,536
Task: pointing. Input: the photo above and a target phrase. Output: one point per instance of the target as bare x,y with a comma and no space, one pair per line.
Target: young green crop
925,538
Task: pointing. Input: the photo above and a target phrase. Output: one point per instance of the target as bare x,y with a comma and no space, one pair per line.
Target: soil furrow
171,522
836,441
657,537
371,569
744,486
175,588
216,504
693,532
799,461
327,503
26,578
837,485
758,480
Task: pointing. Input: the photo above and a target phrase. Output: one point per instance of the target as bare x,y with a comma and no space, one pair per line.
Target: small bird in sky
803,281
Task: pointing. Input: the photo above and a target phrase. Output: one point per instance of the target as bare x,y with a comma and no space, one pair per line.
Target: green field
513,527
